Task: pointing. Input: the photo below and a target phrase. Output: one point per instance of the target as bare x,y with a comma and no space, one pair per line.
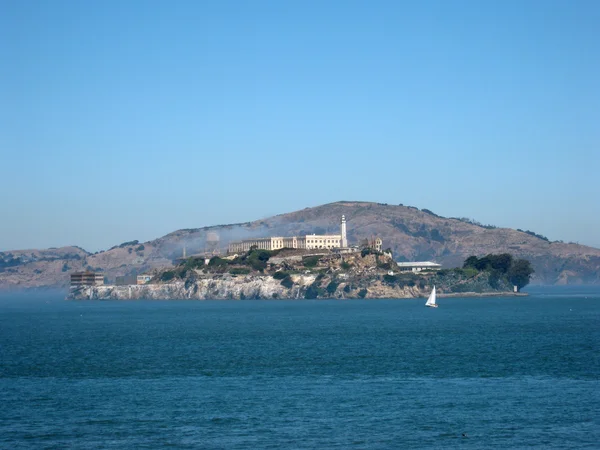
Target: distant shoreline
483,294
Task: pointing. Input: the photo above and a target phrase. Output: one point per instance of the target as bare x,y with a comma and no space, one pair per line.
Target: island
317,274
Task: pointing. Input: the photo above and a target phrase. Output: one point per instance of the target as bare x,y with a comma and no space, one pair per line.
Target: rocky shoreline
255,287
301,274
233,288
483,294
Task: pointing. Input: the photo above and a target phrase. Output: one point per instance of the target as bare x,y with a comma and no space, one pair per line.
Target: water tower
213,242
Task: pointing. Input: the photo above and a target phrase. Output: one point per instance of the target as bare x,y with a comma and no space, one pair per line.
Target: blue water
376,374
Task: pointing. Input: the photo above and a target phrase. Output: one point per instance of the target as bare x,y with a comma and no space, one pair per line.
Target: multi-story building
309,241
271,243
313,241
86,279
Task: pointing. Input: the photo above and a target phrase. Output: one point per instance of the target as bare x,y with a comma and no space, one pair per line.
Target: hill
412,234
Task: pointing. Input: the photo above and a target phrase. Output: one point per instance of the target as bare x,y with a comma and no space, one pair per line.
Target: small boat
431,300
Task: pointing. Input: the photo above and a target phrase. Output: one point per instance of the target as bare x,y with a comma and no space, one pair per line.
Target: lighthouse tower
343,232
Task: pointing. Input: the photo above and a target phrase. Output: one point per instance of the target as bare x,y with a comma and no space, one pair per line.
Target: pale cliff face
233,288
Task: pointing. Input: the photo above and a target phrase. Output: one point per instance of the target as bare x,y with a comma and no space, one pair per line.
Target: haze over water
368,374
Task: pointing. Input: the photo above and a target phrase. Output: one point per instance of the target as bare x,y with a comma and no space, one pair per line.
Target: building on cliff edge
309,242
86,279
418,266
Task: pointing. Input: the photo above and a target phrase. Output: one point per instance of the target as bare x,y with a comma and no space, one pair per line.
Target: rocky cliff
285,275
239,288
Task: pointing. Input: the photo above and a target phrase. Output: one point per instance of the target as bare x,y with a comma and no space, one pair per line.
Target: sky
124,120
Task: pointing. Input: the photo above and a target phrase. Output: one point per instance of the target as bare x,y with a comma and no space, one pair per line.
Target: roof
419,264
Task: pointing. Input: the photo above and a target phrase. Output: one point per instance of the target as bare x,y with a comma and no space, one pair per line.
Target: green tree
501,262
494,279
471,262
520,272
258,259
167,275
215,261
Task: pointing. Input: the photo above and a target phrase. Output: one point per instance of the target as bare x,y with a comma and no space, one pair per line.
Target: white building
309,242
418,266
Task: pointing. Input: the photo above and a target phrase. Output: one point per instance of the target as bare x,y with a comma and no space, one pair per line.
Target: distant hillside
412,234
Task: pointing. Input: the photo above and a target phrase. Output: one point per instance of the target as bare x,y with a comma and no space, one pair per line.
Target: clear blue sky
126,120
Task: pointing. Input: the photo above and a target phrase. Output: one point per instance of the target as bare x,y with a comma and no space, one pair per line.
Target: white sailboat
431,300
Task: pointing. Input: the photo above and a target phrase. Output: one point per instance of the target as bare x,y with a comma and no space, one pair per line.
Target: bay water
302,374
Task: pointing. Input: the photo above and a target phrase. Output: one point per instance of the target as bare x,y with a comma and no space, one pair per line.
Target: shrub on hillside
436,235
215,261
367,251
312,292
390,279
332,287
287,282
310,261
128,243
193,263
257,259
167,275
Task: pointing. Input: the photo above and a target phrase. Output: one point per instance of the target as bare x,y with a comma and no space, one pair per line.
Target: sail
431,299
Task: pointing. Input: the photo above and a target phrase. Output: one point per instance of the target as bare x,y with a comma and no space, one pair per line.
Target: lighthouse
343,233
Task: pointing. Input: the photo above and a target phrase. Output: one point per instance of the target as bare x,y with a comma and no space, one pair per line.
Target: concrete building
309,241
143,279
86,279
328,241
375,243
418,266
378,244
270,243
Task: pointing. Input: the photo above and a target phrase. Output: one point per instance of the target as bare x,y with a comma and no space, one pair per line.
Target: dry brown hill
412,234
